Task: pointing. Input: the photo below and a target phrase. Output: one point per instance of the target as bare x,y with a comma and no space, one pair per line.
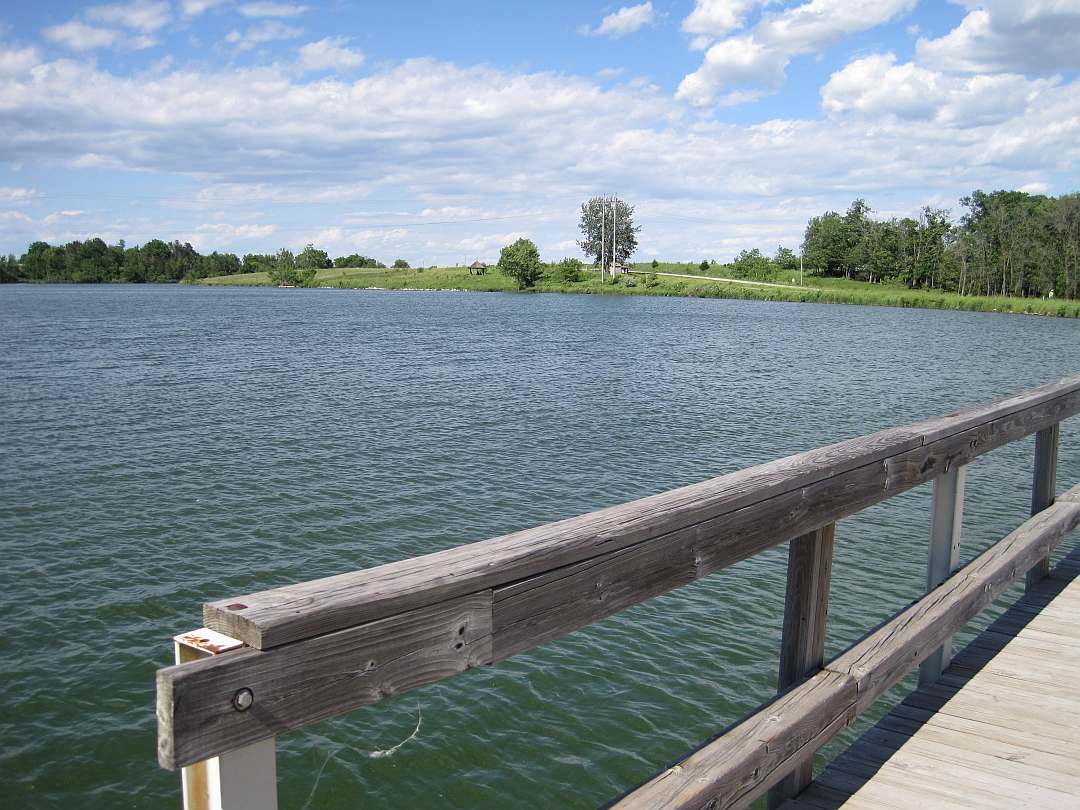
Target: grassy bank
816,289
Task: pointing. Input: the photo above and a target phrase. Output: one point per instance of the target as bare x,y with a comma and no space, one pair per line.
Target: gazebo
477,267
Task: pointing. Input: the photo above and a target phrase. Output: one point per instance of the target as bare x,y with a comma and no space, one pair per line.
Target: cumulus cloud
272,9
626,20
736,61
193,8
717,18
330,53
78,36
876,86
1035,36
142,15
821,23
269,31
17,60
488,139
758,60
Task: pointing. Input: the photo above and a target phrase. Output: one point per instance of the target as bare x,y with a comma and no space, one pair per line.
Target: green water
162,446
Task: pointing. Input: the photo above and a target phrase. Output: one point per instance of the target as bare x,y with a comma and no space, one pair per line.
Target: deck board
998,730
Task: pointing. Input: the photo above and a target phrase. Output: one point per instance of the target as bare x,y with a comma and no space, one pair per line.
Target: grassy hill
650,281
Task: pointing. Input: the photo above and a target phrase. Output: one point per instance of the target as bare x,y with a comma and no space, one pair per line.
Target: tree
786,259
569,270
356,260
704,265
597,217
313,258
401,264
752,264
9,270
521,262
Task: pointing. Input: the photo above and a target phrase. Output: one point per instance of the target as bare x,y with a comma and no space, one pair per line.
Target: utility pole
800,268
614,213
603,240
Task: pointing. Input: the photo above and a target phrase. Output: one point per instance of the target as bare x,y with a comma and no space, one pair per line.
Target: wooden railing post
802,645
244,779
944,557
1043,483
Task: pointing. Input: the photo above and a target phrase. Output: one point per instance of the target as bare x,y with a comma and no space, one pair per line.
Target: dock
991,727
997,730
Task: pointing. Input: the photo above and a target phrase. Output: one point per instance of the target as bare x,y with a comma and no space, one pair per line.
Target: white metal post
603,237
244,779
1043,486
614,252
944,556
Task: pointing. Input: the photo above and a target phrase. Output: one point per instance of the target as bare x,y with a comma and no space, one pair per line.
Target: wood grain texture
1043,486
802,643
910,454
997,731
314,679
881,659
884,657
541,608
742,764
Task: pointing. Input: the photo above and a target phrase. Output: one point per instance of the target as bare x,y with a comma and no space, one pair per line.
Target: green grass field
815,289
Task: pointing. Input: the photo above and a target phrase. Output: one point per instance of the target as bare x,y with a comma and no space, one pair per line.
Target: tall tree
607,230
521,261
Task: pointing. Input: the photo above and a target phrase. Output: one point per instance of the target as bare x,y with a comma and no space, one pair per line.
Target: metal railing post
244,779
1043,484
802,645
944,557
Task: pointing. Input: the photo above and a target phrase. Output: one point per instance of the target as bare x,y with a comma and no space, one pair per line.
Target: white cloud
489,139
193,8
13,195
17,60
626,20
1034,36
141,15
52,219
876,87
263,32
330,53
272,9
212,236
78,36
758,60
820,23
735,61
717,18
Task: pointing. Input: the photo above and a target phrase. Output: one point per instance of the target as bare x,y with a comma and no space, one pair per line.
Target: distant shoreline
670,284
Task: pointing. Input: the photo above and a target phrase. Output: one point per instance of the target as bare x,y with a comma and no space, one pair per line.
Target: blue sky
439,132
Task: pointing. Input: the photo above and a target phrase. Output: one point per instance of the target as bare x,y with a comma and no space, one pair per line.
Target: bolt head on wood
243,699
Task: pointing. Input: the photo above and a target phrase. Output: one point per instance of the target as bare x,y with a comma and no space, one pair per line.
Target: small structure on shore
618,268
478,267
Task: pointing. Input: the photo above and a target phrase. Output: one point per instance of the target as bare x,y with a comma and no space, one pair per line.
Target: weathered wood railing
317,649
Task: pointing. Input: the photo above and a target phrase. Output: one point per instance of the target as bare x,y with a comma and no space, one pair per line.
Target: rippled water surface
161,446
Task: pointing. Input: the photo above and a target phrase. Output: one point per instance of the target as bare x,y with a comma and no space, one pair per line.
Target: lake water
162,446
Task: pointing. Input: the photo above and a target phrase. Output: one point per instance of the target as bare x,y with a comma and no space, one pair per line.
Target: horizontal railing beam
271,618
219,704
329,651
740,766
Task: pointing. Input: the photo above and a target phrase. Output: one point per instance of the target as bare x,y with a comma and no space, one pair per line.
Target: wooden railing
302,653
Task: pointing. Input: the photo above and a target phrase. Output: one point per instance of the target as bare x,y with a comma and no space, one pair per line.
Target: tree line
1004,243
94,261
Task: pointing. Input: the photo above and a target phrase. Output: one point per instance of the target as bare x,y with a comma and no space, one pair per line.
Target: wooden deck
999,730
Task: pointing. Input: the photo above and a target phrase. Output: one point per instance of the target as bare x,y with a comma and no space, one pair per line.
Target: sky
439,132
